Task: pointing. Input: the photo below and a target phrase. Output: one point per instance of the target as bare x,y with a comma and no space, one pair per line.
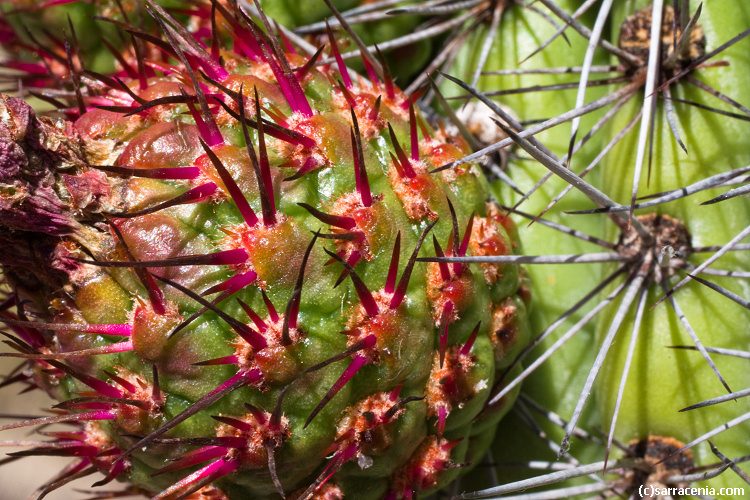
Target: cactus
216,267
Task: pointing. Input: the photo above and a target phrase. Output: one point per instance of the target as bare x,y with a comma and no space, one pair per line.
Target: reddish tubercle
423,470
487,239
449,385
257,432
505,328
366,425
136,420
273,361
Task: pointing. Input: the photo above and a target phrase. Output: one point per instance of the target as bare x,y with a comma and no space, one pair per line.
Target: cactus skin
203,282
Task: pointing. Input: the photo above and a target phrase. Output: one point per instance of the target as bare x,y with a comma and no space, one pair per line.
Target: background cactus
664,379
